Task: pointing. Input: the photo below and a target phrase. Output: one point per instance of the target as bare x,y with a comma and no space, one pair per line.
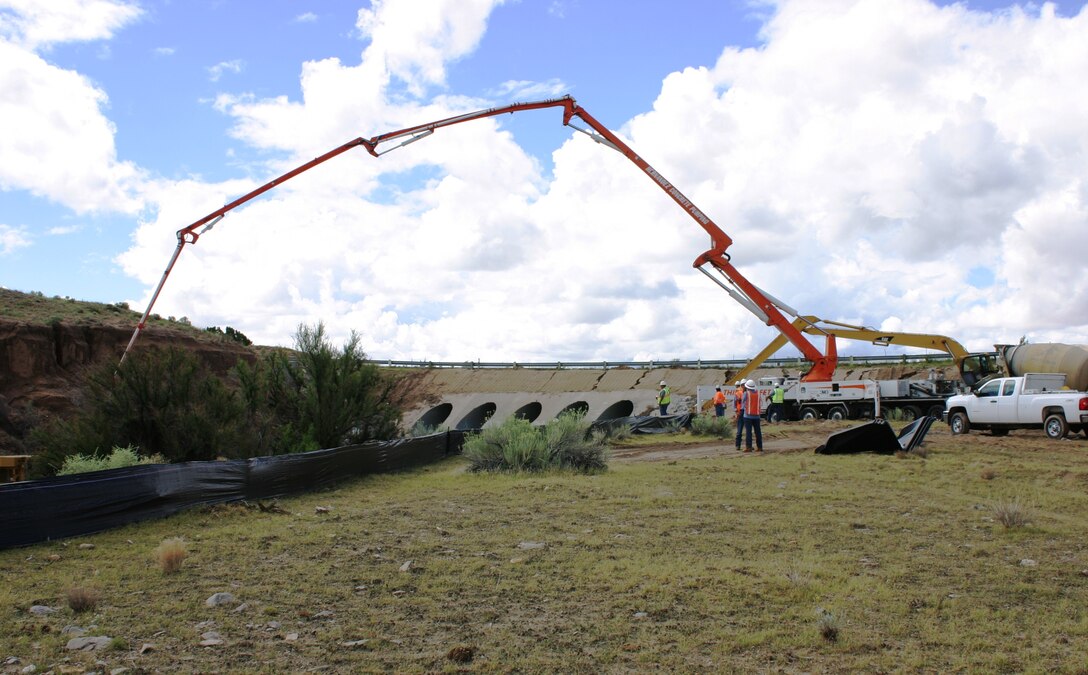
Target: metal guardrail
798,363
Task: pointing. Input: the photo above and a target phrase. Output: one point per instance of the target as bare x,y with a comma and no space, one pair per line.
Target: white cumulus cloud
64,149
12,238
233,66
38,23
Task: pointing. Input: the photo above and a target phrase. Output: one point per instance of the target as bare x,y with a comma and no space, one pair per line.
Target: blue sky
864,156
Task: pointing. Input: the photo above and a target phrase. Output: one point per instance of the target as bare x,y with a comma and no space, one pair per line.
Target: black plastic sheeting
68,506
648,424
876,436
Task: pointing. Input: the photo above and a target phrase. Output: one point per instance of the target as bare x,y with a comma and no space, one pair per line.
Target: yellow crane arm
814,325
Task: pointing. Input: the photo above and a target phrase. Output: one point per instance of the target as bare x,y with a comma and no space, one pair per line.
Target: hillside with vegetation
184,392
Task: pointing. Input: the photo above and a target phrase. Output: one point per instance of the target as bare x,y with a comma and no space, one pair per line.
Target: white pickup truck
1029,402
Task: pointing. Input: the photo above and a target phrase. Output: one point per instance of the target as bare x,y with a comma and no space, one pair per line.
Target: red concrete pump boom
768,309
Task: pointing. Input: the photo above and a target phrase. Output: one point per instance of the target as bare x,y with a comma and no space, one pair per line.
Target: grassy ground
784,562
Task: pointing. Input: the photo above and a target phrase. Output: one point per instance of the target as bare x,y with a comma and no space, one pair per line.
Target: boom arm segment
749,295
814,325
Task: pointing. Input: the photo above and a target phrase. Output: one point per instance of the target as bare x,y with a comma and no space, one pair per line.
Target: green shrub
571,445
161,401
710,425
516,445
615,431
168,402
230,333
119,458
317,396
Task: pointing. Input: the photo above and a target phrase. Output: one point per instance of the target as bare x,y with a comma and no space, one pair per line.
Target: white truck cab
1035,400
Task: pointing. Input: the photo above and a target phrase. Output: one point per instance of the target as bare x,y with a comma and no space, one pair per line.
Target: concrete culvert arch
580,407
616,411
436,415
529,411
477,417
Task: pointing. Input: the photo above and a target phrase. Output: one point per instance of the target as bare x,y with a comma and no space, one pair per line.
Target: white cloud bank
57,141
870,159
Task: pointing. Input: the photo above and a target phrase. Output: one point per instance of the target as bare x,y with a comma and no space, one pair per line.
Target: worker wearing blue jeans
738,410
751,417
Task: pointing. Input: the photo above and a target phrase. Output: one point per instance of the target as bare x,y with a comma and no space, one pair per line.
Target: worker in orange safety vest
719,402
751,416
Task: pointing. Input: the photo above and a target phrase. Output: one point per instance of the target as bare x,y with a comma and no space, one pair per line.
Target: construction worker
751,412
777,398
664,398
738,410
719,402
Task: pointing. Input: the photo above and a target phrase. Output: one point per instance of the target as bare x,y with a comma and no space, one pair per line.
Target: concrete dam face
467,398
472,398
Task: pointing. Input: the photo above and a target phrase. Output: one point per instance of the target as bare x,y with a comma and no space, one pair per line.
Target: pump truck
715,262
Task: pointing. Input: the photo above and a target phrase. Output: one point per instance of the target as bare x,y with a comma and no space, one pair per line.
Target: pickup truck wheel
1055,426
808,414
959,423
837,413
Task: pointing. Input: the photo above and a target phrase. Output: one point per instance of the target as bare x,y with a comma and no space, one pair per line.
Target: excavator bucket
876,436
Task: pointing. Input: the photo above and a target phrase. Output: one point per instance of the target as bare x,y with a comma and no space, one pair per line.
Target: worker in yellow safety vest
664,398
777,397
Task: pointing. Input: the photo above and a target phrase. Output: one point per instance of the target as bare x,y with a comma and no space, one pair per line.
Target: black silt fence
69,506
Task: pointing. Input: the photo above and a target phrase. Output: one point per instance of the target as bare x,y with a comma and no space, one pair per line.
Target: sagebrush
516,445
117,459
711,425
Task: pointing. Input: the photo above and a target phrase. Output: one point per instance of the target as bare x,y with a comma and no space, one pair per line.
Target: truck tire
911,413
808,414
936,411
959,423
838,413
1055,426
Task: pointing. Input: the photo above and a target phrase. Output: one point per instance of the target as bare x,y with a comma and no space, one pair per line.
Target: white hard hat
662,383
750,384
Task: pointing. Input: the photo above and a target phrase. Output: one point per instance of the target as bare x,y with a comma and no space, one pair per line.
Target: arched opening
528,412
580,407
616,411
434,417
476,417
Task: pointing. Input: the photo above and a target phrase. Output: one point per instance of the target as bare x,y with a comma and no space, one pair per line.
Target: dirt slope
42,366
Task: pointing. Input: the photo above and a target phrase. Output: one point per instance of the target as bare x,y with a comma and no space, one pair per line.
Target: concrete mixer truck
1069,360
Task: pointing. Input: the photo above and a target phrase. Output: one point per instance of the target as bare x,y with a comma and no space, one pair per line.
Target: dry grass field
682,557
